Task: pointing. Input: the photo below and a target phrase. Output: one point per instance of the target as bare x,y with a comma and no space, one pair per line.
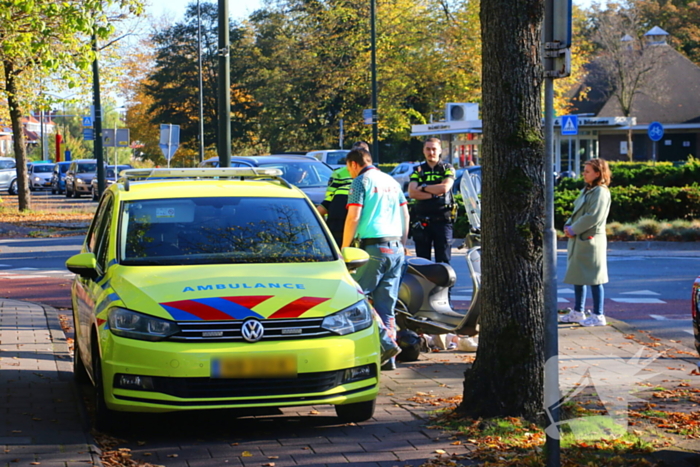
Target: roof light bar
199,173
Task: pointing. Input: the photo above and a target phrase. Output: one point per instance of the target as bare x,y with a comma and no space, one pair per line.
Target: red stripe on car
298,307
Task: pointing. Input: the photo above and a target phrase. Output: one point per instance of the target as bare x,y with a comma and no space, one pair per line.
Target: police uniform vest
439,207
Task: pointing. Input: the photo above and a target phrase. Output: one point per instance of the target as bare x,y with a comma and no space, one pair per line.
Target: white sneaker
573,317
594,320
467,344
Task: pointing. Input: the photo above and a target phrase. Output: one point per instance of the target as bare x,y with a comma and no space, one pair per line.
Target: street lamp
201,92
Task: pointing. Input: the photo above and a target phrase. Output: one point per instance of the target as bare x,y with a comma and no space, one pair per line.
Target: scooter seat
440,274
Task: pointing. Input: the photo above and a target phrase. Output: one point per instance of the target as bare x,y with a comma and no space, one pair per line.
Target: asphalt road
650,293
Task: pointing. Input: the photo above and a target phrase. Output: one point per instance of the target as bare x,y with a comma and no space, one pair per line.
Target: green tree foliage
42,38
173,85
310,64
680,18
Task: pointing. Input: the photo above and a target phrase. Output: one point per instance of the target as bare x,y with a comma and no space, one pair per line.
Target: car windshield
221,231
303,173
64,168
334,157
42,169
7,164
87,168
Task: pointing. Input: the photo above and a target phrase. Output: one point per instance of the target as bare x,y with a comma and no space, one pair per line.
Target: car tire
80,373
53,190
357,412
13,188
105,418
94,194
76,193
68,193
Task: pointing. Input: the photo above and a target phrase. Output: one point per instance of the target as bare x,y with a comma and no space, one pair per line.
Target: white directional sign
118,140
569,125
169,140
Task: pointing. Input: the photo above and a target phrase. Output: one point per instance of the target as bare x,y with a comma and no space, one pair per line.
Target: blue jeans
380,278
580,298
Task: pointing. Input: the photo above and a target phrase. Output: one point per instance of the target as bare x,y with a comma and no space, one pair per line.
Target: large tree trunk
507,377
24,202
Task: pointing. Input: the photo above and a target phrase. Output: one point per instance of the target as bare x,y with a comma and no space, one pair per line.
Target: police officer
335,202
432,216
378,215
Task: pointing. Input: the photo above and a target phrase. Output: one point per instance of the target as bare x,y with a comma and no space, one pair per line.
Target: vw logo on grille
252,330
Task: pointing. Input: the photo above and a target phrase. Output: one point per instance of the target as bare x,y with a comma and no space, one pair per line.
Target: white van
331,157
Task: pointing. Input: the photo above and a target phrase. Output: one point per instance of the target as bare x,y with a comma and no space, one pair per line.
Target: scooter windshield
472,203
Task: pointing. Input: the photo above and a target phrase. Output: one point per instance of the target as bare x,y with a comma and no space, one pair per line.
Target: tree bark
507,377
24,201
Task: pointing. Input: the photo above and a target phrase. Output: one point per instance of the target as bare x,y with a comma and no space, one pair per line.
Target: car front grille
230,331
304,386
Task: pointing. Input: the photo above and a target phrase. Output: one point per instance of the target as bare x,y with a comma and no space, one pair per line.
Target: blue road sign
569,125
88,134
87,122
655,131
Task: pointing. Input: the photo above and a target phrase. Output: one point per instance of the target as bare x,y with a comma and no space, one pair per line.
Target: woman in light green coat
587,262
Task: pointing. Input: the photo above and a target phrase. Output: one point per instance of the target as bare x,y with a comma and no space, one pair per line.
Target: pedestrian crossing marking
569,125
638,300
562,300
565,291
640,292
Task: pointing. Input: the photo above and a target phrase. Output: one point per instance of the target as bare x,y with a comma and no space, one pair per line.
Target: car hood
216,292
86,177
315,193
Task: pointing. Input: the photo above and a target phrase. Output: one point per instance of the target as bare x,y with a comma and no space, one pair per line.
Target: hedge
629,204
640,174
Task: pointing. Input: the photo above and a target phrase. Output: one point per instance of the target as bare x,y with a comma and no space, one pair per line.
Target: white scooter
423,305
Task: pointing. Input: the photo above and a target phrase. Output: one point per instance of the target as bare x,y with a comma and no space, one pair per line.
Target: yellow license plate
255,367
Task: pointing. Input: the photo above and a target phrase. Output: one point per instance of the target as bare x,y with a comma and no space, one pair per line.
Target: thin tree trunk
507,377
24,201
630,148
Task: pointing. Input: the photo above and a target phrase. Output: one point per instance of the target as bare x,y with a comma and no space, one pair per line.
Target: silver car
402,173
78,177
8,175
39,176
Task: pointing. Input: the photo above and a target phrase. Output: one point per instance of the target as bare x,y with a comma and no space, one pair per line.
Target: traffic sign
88,134
655,131
169,140
368,116
120,139
87,122
569,125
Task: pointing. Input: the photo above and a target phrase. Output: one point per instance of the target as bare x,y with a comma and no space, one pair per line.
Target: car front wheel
68,193
105,418
13,188
357,412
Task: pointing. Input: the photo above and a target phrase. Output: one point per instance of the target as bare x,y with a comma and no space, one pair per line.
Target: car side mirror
354,258
83,264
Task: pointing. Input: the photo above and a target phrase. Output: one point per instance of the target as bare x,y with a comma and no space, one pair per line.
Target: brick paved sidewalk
41,423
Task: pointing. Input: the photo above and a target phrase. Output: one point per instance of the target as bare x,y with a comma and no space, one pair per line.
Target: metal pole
551,327
201,91
375,123
224,148
170,134
99,151
43,143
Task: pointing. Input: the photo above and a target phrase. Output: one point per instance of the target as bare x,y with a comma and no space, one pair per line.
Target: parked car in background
332,157
39,175
8,175
111,176
402,173
695,311
79,176
58,177
475,174
310,175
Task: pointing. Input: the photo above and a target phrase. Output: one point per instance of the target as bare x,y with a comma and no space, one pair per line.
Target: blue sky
238,9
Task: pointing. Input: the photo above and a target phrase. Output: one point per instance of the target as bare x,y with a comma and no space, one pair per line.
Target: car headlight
37,179
352,319
127,323
79,181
